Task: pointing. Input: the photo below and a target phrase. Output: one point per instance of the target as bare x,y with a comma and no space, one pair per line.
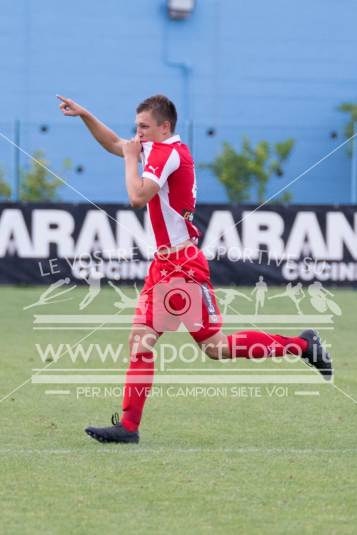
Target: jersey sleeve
160,163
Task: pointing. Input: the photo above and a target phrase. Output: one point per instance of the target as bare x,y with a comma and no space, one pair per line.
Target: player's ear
166,125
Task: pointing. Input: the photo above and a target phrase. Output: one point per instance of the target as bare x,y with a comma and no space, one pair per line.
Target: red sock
138,382
255,344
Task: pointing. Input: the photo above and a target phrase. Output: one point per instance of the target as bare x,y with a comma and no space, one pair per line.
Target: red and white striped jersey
169,164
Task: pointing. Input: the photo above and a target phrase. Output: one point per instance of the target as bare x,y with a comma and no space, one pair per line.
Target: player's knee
140,341
216,351
132,339
211,351
135,340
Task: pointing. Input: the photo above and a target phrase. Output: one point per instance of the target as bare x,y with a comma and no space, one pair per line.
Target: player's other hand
71,108
132,147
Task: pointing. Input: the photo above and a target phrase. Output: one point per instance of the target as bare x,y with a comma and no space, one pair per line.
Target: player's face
148,129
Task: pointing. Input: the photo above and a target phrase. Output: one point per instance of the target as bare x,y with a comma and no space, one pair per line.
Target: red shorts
178,291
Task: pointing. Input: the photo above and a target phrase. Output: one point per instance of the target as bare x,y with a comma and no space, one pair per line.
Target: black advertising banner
41,243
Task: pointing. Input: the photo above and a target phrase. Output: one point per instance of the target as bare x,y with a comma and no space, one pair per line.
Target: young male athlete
179,274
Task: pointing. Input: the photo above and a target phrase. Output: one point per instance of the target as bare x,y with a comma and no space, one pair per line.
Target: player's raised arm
104,135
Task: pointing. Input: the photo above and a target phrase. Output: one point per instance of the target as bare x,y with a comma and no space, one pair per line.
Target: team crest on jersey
187,215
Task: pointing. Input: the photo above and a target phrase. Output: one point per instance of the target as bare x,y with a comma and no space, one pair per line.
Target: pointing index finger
65,100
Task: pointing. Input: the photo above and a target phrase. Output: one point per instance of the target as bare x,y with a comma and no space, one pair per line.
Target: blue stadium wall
269,70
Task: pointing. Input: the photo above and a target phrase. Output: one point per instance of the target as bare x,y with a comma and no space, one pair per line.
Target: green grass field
205,464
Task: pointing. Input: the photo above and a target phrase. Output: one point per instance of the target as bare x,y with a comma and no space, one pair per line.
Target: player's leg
251,344
139,376
259,344
246,344
138,382
254,344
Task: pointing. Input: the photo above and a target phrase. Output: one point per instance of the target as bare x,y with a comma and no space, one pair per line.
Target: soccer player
167,187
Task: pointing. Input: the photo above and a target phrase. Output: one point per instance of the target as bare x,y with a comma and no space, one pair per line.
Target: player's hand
132,147
71,108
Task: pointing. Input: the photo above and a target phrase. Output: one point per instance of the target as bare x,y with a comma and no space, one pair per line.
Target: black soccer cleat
116,433
316,355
